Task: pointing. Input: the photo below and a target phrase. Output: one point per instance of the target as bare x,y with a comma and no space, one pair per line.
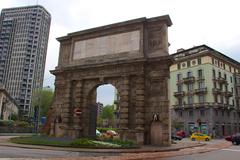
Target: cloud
214,22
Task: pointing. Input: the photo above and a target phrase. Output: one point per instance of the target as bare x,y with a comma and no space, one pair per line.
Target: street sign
77,111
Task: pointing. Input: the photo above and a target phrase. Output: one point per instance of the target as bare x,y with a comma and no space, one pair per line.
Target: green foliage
41,140
125,144
14,117
83,142
6,123
22,124
107,112
11,123
103,130
78,143
43,98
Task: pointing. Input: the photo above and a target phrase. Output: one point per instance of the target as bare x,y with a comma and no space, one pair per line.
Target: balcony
178,106
218,105
228,94
201,90
200,78
216,91
179,81
222,80
179,94
189,79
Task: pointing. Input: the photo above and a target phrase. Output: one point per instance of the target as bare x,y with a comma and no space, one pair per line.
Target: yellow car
200,137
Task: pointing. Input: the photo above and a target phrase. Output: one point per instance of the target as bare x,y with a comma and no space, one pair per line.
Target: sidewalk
174,147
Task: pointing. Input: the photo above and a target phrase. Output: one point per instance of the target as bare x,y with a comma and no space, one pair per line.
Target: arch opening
103,108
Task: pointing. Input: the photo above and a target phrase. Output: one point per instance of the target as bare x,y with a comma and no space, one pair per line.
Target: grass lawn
76,143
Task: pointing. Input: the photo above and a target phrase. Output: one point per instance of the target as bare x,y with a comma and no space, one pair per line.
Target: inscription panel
112,44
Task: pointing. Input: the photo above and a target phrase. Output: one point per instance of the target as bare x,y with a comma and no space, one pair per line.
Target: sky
195,22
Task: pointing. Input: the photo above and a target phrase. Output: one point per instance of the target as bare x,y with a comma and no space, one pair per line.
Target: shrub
22,124
103,130
6,123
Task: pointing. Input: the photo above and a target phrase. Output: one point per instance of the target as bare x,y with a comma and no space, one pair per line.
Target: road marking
234,150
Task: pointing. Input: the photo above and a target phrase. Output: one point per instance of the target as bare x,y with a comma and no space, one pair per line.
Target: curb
143,150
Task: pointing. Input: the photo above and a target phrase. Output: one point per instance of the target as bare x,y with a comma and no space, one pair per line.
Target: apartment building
24,35
205,91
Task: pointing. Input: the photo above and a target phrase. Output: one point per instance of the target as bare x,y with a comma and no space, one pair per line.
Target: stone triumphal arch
132,56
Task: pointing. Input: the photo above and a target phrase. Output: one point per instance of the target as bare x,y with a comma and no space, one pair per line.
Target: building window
228,114
179,77
216,99
216,113
223,113
180,113
190,87
202,113
180,101
190,113
227,101
178,66
226,88
201,85
190,99
233,102
200,73
221,99
214,84
201,99
219,74
189,74
188,63
179,88
199,61
214,73
231,79
225,76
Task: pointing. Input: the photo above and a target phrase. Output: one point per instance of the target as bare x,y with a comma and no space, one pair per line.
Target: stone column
65,110
78,104
124,103
140,103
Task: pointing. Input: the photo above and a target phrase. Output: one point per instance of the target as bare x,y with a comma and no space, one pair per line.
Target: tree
43,98
108,113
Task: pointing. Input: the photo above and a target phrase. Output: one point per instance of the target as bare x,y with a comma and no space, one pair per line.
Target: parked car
228,138
236,139
181,134
110,134
200,137
175,137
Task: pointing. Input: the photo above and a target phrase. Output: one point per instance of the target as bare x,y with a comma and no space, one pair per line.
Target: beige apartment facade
204,91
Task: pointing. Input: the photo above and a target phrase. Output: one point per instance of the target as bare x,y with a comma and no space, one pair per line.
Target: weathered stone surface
132,56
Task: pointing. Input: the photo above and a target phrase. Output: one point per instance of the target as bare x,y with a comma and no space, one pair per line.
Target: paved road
214,149
232,153
13,152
